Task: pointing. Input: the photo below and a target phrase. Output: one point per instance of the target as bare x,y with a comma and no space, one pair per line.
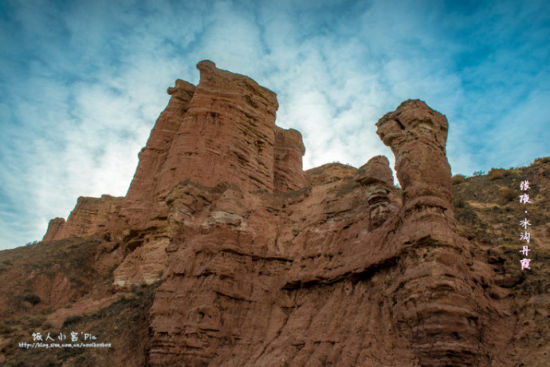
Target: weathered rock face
329,172
90,216
53,228
141,196
417,135
221,131
436,297
257,263
227,133
288,153
257,289
377,179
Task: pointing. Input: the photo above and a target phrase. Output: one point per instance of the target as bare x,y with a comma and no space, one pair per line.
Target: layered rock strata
262,264
288,152
395,271
222,130
54,226
436,300
144,188
90,216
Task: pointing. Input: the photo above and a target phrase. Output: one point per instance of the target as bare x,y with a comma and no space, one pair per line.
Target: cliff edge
224,252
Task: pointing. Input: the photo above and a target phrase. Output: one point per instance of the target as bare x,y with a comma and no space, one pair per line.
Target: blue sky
83,82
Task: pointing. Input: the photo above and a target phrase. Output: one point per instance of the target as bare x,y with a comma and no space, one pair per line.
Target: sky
82,83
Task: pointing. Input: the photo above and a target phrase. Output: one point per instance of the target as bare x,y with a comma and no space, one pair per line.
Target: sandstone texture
223,130
54,226
224,252
90,216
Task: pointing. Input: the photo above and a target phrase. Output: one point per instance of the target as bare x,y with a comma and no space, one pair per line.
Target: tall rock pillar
437,303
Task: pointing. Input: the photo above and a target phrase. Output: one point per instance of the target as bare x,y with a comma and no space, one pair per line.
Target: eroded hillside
225,252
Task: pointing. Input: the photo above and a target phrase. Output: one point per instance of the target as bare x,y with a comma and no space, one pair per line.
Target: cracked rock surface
224,252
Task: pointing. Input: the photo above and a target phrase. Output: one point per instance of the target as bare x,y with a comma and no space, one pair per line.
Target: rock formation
437,304
54,226
145,186
221,131
90,216
288,152
244,259
377,179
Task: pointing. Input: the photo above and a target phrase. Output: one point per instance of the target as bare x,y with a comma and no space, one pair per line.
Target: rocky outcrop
397,274
142,193
417,135
377,178
227,134
328,173
90,216
438,303
144,265
288,152
254,262
223,130
53,228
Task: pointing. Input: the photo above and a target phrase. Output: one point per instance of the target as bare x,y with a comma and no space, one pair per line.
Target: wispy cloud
84,82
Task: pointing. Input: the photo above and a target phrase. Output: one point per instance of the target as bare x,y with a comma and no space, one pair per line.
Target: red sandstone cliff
224,252
90,216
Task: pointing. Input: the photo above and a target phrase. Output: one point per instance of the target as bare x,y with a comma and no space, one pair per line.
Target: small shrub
542,160
32,298
72,320
497,173
6,329
466,215
507,194
35,321
458,179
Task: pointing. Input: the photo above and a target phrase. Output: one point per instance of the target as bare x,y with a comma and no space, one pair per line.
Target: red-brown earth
224,252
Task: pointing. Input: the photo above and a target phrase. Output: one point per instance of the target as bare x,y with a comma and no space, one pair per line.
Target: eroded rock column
227,134
289,150
141,198
435,300
377,179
